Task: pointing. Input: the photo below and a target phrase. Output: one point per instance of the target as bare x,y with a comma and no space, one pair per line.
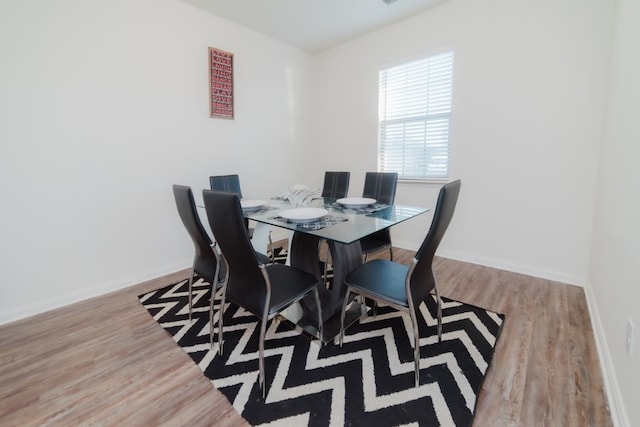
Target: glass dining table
342,227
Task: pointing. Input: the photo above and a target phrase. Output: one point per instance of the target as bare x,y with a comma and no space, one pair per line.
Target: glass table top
343,225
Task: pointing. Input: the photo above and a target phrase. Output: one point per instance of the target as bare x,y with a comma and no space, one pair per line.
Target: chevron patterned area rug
367,382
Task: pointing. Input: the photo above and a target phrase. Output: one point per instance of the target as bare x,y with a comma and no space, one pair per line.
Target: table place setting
310,218
357,204
255,207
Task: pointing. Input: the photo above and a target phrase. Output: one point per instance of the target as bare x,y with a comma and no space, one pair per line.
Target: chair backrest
336,184
246,286
226,183
422,279
204,262
381,186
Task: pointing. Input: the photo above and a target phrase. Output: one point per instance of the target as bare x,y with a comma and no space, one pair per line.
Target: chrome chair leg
320,325
326,262
211,328
344,308
190,292
273,257
214,287
223,300
263,328
221,318
223,285
416,347
439,314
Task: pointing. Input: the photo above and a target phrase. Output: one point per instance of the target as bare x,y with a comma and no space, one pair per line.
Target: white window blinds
415,117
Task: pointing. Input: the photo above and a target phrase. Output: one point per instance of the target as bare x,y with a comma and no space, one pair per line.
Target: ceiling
314,25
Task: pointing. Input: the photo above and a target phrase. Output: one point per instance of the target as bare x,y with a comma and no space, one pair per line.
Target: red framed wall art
220,83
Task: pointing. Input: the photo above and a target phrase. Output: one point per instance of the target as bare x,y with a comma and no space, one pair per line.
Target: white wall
103,107
529,90
615,257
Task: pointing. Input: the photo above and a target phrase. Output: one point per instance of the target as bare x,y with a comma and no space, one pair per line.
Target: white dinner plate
356,202
252,205
303,215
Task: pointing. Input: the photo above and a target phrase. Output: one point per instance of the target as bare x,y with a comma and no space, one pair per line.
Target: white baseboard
62,300
612,388
501,265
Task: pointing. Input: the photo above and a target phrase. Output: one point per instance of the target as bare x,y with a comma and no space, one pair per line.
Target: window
414,119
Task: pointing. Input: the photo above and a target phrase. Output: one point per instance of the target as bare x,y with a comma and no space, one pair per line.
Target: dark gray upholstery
382,187
402,287
264,290
336,184
227,183
204,260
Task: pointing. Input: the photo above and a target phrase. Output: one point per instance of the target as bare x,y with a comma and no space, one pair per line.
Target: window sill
425,181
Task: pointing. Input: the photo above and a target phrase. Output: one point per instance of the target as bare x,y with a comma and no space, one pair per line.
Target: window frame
425,118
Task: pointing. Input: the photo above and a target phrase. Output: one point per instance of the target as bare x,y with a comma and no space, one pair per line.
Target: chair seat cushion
288,284
380,277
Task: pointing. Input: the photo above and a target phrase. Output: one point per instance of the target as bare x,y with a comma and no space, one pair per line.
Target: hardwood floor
104,361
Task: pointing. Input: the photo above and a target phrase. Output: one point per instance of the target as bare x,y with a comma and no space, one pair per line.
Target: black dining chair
205,263
264,290
382,187
405,288
227,183
231,184
336,184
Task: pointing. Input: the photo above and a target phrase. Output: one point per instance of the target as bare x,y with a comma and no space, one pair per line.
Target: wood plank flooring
105,362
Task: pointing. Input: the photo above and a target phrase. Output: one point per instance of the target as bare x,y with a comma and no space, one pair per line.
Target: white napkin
299,195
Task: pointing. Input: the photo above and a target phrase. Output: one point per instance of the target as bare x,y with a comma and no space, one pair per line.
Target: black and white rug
367,382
